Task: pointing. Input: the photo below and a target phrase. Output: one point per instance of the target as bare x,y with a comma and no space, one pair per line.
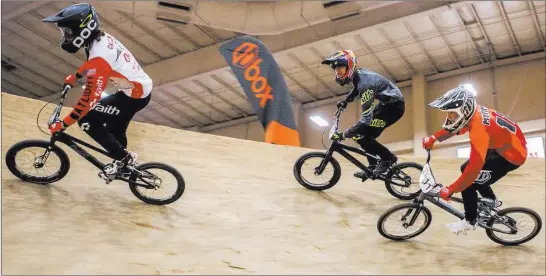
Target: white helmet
459,100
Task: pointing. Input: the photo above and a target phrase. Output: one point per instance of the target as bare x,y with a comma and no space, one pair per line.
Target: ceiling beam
423,50
282,43
226,101
21,89
474,45
209,34
178,101
22,78
181,114
242,96
186,37
536,23
508,26
23,9
199,99
299,85
368,49
150,32
395,48
19,65
317,78
484,33
13,34
165,115
451,53
33,60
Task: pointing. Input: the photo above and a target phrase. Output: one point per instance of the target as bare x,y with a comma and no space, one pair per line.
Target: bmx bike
503,226
32,161
326,168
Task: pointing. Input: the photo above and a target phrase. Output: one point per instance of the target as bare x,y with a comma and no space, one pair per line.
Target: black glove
341,104
338,136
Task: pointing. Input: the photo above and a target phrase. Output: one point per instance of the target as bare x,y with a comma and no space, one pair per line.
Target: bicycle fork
320,169
39,161
413,218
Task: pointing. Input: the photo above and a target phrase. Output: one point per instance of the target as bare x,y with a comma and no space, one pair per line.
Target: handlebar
57,111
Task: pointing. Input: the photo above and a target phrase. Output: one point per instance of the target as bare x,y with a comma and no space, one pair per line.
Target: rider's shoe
362,175
460,227
384,165
110,171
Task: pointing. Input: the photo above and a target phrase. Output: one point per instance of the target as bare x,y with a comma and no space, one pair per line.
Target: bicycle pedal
106,178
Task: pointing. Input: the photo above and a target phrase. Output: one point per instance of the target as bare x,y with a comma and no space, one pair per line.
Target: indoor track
242,213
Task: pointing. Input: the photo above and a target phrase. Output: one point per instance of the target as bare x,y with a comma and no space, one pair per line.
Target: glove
428,142
338,136
70,80
57,126
445,193
341,104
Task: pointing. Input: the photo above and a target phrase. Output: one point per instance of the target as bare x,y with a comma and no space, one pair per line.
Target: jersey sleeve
479,142
97,72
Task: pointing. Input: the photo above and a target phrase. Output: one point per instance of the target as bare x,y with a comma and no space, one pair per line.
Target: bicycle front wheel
394,223
28,161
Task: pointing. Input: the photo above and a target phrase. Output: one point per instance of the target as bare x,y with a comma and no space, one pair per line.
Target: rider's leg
117,126
494,168
107,123
384,116
485,191
93,123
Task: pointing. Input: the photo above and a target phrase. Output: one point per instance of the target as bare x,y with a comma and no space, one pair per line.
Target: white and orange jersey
127,75
109,60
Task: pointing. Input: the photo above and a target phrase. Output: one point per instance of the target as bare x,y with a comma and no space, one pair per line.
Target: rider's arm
98,71
479,142
352,95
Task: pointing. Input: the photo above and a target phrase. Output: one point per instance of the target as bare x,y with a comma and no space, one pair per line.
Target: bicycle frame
342,149
433,197
74,143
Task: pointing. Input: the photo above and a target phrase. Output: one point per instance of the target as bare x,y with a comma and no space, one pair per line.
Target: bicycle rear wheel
526,221
406,174
164,183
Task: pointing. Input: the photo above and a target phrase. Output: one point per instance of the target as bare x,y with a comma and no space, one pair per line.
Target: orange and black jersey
488,129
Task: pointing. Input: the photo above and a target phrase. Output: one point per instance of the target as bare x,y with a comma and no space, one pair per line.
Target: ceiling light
470,88
319,121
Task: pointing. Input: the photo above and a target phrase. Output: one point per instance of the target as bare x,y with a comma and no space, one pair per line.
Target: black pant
107,122
494,168
384,115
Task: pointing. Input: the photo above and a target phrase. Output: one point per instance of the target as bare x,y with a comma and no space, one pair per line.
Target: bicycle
395,171
137,176
494,220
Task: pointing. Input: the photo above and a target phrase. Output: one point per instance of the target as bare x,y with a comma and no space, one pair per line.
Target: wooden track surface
242,212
